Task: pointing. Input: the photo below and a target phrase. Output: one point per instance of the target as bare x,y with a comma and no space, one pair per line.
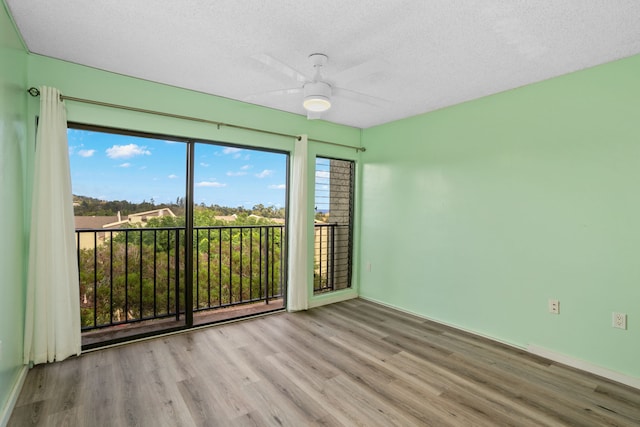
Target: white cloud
125,165
246,167
237,152
265,173
73,148
277,186
126,151
231,150
204,165
172,176
236,173
213,184
76,134
86,153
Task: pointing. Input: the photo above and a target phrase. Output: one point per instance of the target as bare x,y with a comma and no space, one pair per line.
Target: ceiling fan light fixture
317,97
317,103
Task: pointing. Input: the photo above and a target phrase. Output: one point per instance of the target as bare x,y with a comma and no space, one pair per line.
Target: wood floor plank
354,363
37,380
435,410
313,386
348,363
301,353
203,406
381,363
221,381
478,397
369,402
251,419
281,385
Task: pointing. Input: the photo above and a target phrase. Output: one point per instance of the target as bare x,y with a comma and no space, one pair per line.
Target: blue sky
119,167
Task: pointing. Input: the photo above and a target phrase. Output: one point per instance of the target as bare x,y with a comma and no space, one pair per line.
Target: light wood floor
352,363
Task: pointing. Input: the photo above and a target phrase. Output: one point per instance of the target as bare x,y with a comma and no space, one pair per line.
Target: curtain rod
36,92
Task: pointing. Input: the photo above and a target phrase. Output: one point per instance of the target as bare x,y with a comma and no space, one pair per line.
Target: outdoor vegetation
137,272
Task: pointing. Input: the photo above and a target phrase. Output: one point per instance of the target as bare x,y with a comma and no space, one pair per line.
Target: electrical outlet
554,306
619,320
368,266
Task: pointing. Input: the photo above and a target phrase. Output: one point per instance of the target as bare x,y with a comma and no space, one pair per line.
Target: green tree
134,275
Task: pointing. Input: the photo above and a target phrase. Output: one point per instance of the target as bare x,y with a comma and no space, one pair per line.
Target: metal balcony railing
131,275
331,258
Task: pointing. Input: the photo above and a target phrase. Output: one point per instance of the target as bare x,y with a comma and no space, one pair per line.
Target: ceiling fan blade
360,97
359,72
283,68
279,92
314,115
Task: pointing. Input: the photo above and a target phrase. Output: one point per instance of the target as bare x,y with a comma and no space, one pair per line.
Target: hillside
89,206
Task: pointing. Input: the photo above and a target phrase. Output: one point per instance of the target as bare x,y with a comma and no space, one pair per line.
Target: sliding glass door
238,231
140,200
129,203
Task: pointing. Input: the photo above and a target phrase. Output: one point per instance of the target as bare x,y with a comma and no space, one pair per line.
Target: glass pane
239,220
129,194
333,224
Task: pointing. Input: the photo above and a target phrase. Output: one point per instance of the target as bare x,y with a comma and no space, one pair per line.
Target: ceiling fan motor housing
317,96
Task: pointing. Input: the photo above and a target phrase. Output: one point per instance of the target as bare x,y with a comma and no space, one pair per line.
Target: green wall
476,215
13,142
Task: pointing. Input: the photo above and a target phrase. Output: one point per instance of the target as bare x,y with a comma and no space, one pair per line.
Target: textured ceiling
414,55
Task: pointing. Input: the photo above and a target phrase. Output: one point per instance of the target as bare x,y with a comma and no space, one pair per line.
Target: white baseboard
584,366
533,349
5,413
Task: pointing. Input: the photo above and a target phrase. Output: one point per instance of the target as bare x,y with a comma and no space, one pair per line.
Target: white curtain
298,235
52,321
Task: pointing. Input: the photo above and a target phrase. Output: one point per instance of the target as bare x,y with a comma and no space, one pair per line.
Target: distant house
227,218
234,217
274,220
142,217
92,222
89,240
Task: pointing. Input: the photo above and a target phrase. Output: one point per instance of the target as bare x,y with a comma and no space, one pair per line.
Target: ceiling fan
318,91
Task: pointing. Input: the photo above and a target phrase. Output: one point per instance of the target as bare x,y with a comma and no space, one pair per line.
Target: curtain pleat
298,276
52,322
